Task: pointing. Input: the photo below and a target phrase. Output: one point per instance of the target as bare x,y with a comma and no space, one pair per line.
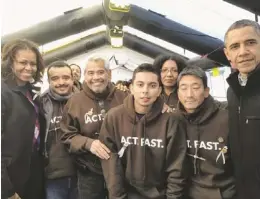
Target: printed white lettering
203,145
209,145
88,120
153,143
90,117
128,140
188,143
56,119
94,118
135,140
196,143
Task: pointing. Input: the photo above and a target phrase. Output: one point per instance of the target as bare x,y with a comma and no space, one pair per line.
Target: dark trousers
35,186
91,185
62,188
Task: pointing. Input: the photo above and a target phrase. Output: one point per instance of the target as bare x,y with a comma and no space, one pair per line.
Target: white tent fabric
211,17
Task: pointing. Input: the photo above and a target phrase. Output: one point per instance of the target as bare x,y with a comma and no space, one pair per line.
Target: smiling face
243,49
97,76
60,80
24,66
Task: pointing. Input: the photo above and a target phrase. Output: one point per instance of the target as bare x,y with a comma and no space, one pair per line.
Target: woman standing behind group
169,67
22,122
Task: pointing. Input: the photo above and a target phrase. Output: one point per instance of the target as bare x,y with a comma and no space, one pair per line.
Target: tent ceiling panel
81,46
61,26
140,19
250,5
97,40
173,32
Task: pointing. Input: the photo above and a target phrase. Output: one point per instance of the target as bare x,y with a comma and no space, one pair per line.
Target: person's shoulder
176,117
116,111
172,116
75,97
6,92
222,105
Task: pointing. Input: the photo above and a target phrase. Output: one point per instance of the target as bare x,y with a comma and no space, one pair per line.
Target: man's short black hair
241,24
57,64
161,59
194,70
147,68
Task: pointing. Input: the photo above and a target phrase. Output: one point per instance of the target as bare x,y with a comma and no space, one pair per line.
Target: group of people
164,138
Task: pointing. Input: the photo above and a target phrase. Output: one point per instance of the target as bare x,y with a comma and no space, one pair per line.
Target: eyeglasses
25,63
166,70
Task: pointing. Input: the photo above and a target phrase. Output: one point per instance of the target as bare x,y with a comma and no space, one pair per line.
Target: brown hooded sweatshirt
81,123
147,154
208,153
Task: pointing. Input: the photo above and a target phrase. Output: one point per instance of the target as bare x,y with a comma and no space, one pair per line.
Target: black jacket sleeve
175,158
6,187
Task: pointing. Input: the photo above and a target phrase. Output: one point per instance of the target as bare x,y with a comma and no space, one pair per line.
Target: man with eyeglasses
82,120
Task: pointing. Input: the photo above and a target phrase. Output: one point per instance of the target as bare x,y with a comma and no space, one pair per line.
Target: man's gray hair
194,70
241,24
98,58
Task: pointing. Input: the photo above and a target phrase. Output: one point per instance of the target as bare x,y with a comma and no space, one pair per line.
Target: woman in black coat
22,122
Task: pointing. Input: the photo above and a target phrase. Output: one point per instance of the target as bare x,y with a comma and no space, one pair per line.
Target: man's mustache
62,86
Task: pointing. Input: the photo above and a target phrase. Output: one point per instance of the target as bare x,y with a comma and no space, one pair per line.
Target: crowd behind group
160,136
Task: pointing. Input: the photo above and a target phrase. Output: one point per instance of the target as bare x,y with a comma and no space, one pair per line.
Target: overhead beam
62,26
176,33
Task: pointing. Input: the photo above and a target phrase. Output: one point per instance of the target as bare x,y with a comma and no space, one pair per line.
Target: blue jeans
62,188
91,185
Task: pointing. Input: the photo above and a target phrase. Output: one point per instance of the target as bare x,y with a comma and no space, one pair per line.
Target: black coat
22,168
244,124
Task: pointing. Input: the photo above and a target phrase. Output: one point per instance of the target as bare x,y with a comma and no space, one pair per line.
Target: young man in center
147,147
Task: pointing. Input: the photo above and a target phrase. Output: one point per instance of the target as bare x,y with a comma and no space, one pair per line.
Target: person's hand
15,196
99,149
121,87
167,109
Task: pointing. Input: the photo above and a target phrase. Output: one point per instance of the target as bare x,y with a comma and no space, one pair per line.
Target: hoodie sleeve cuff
88,143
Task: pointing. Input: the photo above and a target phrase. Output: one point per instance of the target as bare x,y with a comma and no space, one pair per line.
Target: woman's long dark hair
9,52
161,59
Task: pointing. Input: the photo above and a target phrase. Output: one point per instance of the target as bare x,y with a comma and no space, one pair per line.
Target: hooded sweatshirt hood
106,94
202,113
150,116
